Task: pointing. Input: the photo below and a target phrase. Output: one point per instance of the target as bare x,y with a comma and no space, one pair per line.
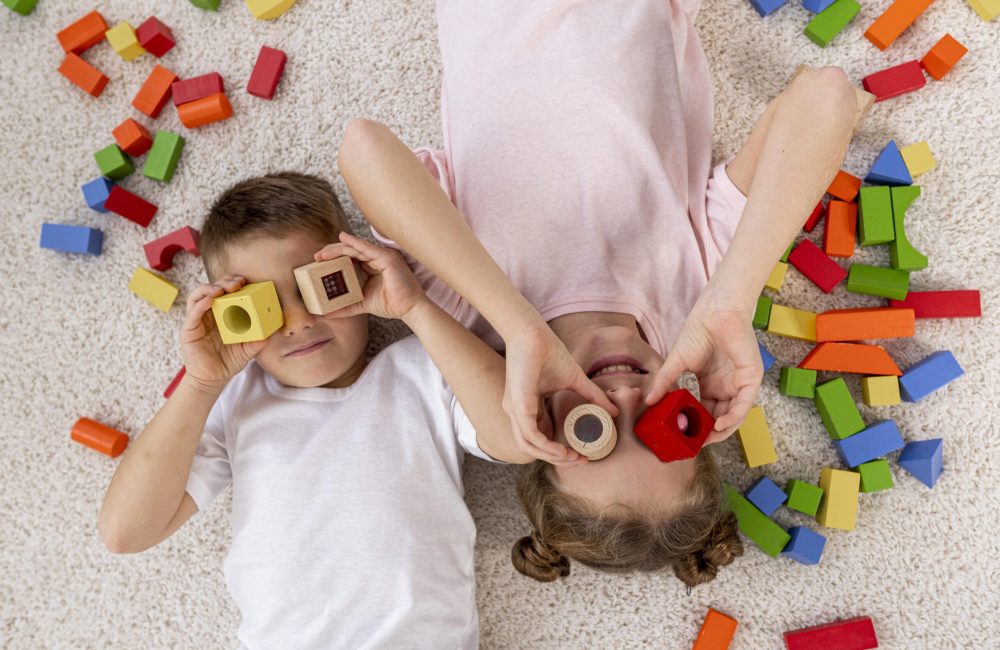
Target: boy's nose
297,319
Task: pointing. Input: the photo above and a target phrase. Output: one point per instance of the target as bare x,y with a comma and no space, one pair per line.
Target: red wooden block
173,383
266,72
659,430
155,91
88,78
155,37
851,357
132,207
189,90
852,634
85,32
160,252
132,137
894,81
814,218
963,303
816,265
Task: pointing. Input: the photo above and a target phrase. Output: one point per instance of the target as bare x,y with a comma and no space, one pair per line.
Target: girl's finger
668,374
593,393
739,406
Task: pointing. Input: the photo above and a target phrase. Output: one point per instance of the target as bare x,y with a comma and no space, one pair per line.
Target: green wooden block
875,216
878,281
902,255
210,5
762,314
23,7
825,25
788,251
875,475
837,409
797,382
114,163
161,161
768,535
804,497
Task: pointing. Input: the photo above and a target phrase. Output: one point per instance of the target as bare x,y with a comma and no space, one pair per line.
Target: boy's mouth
308,348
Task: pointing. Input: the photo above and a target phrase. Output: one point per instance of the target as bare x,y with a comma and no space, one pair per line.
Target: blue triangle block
766,357
924,459
805,545
889,168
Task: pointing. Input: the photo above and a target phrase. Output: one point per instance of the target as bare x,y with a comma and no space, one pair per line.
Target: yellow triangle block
268,9
153,289
124,41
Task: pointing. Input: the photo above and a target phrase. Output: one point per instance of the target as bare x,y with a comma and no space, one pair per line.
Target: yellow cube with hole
124,41
777,277
268,9
792,323
839,506
880,391
755,439
153,289
251,314
918,158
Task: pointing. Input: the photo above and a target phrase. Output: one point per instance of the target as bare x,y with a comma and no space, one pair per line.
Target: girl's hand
211,364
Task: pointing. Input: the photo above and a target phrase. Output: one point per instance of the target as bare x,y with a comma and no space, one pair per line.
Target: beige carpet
922,563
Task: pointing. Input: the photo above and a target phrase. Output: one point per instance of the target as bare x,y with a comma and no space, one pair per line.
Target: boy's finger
348,311
668,374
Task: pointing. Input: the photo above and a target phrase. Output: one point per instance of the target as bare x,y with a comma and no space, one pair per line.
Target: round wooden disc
590,431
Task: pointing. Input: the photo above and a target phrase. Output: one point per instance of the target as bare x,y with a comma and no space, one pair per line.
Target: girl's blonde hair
697,538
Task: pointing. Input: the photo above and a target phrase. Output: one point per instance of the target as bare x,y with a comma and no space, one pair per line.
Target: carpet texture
922,563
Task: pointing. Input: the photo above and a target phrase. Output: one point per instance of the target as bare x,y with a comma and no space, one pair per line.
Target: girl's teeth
615,368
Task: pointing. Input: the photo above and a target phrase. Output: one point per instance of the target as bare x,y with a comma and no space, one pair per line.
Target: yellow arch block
839,506
153,289
268,9
251,314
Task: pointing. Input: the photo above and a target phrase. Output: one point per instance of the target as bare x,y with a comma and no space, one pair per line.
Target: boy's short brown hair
275,205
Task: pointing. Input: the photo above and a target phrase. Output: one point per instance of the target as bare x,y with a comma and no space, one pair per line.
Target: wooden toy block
113,162
124,42
850,357
155,92
162,159
878,281
251,314
769,536
206,110
126,204
875,441
797,382
814,218
816,6
875,215
174,383
841,228
766,495
803,497
889,168
71,239
805,546
82,34
987,9
590,431
195,88
767,7
132,137
894,21
777,277
207,5
844,186
95,193
852,634
267,72
268,9
839,506
902,254
83,75
328,286
762,312
660,426
943,56
153,289
788,251
155,37
816,265
716,633
928,375
99,437
23,7
963,303
766,358
864,323
918,158
880,390
837,409
924,460
755,439
160,252
875,475
792,323
894,81
825,25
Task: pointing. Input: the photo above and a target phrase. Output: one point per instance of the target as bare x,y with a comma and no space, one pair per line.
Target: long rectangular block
163,156
23,7
762,312
960,303
875,215
895,81
839,506
894,21
153,289
777,277
814,218
82,34
206,110
267,72
825,25
128,205
837,409
83,75
816,265
928,375
878,281
987,9
71,239
769,536
155,91
755,439
716,631
852,634
850,357
792,323
195,88
841,228
880,391
863,323
875,441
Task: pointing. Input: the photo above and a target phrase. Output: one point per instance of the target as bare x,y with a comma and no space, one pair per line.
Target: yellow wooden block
839,506
251,314
153,289
918,158
880,391
792,323
268,9
987,9
124,41
755,439
777,277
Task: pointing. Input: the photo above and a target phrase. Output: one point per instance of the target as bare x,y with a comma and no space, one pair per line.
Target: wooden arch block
160,252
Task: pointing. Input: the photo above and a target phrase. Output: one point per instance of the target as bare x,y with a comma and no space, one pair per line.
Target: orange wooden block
716,631
844,186
99,437
894,21
205,111
85,32
84,75
132,137
155,91
851,357
841,228
943,56
865,323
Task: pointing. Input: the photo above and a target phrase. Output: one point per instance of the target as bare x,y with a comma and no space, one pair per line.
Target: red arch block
160,252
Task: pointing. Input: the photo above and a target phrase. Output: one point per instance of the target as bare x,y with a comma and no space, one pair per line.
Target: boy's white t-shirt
348,523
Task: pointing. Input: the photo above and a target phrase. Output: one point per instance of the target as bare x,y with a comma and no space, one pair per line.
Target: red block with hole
659,430
160,252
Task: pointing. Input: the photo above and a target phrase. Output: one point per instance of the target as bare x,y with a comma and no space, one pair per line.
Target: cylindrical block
590,431
99,437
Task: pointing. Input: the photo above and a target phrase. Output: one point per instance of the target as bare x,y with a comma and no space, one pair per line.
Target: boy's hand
211,364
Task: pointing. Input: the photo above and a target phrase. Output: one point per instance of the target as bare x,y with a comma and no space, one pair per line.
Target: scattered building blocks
268,9
875,215
755,439
902,255
95,193
816,265
155,37
85,76
160,252
208,5
717,631
841,228
153,289
875,441
853,634
878,281
837,409
924,459
175,382
987,9
124,42
814,218
880,390
126,204
251,314
889,168
943,56
825,25
113,163
267,72
132,137
788,251
660,430
766,495
805,545
844,186
875,475
766,358
839,505
803,497
928,375
767,7
894,81
99,437
768,535
894,21
155,91
329,285
963,303
792,323
82,34
590,431
206,110
162,159
195,88
918,158
863,323
797,382
850,357
777,277
816,6
762,312
23,7
71,239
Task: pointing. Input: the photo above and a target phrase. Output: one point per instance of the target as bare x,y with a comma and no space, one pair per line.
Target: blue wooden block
766,357
924,459
889,168
805,546
874,442
766,7
96,192
71,239
816,6
926,376
766,495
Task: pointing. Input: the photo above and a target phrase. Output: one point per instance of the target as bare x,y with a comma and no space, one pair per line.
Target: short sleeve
464,431
724,203
210,469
